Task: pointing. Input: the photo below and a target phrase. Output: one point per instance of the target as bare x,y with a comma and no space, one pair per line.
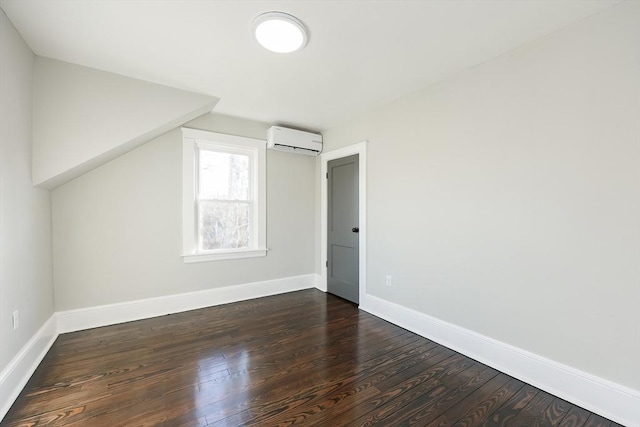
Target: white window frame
192,141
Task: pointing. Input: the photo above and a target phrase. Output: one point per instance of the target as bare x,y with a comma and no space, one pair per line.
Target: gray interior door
342,226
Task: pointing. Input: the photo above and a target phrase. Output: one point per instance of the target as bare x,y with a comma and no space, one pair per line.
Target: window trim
191,140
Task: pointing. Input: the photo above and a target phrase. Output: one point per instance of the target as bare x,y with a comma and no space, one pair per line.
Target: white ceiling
361,54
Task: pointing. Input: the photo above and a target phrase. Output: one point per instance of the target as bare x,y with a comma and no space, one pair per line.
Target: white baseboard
111,314
15,375
320,284
611,400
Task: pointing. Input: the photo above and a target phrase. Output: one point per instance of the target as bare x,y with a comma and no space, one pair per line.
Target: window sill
223,255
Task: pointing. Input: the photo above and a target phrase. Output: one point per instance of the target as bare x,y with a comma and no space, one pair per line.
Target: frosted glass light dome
279,32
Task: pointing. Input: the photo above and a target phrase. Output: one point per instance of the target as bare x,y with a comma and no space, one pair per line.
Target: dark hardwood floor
303,358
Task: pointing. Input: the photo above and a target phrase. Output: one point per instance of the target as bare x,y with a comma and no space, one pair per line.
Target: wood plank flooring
303,358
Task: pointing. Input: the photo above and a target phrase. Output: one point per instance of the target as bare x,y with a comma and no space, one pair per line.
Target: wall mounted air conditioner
294,141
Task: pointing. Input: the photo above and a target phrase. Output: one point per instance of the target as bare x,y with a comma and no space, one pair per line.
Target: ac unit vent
294,141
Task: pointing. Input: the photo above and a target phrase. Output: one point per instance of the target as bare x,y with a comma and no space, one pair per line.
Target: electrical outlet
16,319
389,283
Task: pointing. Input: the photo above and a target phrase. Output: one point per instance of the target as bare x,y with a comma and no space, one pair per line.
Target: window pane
223,176
223,225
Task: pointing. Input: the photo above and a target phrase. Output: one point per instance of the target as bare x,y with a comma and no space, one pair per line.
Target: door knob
355,229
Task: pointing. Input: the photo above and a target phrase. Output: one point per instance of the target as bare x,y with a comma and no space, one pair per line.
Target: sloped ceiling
123,72
85,117
361,54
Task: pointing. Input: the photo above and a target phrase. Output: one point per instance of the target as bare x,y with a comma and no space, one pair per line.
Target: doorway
343,228
357,285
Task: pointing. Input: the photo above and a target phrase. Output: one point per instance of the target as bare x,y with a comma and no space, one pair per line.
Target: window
224,203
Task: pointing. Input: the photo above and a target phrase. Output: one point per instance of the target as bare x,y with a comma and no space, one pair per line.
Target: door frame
361,150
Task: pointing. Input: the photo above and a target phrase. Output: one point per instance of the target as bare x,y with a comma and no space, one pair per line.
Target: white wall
84,117
25,215
506,199
116,229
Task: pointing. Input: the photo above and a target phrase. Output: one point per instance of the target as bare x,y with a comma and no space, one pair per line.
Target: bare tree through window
224,200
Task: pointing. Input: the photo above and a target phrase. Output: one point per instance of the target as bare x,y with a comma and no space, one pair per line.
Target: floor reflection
220,378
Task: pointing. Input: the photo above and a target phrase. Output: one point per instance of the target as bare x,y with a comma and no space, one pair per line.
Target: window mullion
227,200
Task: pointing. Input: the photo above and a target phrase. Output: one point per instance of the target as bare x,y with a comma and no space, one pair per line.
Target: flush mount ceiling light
279,32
